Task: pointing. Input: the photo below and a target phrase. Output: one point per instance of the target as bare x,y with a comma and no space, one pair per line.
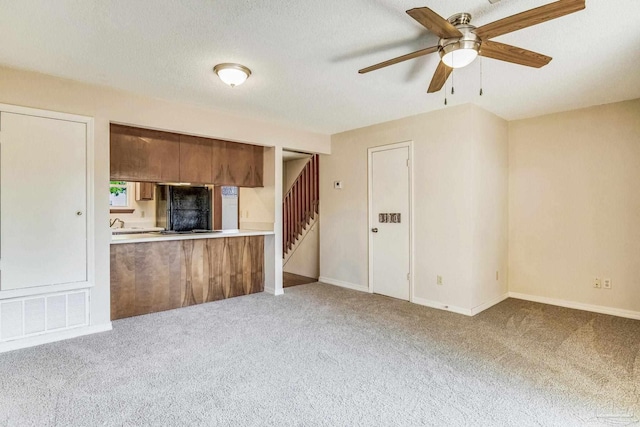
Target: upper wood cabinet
219,161
195,160
144,155
239,165
258,166
144,191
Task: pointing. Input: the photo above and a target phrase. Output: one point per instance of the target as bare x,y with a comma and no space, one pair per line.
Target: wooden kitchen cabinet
144,155
195,159
239,165
144,191
155,276
219,162
258,166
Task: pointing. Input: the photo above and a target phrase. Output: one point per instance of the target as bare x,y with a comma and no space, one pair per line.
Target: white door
43,201
389,221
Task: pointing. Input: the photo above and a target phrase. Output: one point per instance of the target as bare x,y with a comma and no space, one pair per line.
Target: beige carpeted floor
322,355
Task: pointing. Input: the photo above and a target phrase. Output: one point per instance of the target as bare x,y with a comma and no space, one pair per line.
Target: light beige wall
305,260
574,205
452,205
107,105
257,205
490,207
292,169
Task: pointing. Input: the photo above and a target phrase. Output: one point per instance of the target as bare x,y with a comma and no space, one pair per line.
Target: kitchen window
119,197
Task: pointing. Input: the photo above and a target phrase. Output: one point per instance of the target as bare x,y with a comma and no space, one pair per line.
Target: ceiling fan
460,42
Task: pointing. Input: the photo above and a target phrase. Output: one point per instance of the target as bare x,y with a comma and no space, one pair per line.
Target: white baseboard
578,305
482,307
272,291
53,337
441,306
343,284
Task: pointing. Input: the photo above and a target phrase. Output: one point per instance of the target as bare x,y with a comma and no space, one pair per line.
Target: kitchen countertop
157,237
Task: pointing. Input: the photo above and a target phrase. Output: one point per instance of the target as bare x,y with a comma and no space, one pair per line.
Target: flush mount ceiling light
232,74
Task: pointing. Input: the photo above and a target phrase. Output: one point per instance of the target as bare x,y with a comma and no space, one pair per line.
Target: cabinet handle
79,213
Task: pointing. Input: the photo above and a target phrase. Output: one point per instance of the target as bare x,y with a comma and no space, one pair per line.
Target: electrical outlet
597,283
606,283
438,280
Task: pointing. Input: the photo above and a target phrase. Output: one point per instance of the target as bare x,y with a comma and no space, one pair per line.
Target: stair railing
300,204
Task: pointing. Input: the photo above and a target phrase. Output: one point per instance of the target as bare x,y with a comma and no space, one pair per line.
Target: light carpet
323,355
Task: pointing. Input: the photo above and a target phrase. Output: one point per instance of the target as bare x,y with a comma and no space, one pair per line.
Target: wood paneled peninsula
153,272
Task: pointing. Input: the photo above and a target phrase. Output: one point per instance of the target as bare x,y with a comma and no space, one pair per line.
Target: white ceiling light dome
232,74
455,56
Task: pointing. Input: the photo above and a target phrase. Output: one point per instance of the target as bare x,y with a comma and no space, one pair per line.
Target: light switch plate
337,185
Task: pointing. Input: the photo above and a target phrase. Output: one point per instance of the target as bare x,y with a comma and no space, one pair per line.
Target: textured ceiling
305,55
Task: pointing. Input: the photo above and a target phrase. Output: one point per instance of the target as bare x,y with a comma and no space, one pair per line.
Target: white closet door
43,201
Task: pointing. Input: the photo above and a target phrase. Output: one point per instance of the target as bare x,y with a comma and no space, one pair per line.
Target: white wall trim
43,290
343,284
440,306
578,305
482,307
53,337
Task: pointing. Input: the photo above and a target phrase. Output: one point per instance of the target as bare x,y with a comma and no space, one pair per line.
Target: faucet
112,222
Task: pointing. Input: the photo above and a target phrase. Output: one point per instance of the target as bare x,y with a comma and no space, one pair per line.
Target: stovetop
197,231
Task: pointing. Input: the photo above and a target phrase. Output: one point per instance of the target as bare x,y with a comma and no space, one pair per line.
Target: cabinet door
43,199
144,155
258,165
144,191
239,164
219,162
195,160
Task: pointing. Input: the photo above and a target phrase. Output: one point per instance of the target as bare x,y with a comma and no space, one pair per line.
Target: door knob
374,230
79,213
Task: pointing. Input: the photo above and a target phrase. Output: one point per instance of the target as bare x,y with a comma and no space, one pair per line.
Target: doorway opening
300,213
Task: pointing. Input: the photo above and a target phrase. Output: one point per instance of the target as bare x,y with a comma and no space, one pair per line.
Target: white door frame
371,215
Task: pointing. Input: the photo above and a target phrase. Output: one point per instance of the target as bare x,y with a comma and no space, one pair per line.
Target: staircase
300,204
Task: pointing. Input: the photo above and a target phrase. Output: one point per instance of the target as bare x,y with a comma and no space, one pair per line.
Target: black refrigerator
183,208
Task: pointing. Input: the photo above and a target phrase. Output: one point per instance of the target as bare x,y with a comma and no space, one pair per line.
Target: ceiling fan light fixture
459,54
232,74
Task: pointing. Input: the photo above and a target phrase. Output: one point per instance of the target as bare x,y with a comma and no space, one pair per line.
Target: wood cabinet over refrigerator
46,221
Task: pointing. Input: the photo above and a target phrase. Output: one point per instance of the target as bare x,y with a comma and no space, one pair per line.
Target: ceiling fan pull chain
453,90
445,92
480,76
